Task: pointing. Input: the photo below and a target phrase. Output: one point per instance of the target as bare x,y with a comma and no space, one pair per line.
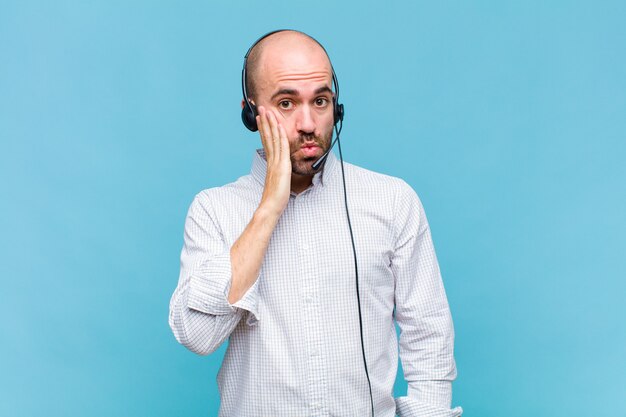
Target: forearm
248,251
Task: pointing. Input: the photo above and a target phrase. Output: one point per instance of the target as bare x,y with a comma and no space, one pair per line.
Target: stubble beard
303,166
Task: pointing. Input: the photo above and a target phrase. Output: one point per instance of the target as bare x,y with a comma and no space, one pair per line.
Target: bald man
267,263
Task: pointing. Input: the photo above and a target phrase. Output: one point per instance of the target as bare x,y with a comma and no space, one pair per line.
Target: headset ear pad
248,116
337,110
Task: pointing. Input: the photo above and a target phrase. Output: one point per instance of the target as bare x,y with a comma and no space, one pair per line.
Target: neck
300,183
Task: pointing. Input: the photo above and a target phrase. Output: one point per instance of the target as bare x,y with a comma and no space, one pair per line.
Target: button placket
309,295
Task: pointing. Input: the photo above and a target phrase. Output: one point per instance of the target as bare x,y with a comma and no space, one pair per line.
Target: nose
305,122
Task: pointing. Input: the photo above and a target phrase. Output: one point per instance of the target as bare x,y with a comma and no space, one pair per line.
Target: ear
243,102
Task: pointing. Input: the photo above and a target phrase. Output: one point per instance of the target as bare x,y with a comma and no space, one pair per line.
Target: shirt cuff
410,407
209,286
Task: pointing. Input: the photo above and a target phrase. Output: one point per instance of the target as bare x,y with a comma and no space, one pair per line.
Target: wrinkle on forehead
315,76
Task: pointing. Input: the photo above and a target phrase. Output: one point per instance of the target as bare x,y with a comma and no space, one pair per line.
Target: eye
285,104
321,101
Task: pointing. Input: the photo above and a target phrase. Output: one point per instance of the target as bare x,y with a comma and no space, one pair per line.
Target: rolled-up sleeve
200,315
423,315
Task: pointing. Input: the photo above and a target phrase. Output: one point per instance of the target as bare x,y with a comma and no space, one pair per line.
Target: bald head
281,49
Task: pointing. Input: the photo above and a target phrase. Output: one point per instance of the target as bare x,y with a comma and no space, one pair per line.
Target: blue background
508,118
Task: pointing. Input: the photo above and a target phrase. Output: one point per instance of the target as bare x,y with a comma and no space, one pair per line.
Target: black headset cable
356,266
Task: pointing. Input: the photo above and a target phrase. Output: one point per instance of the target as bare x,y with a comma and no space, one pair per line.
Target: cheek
330,117
329,123
290,129
292,146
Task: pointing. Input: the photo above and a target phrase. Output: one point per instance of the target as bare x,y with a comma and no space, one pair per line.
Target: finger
285,152
263,131
273,124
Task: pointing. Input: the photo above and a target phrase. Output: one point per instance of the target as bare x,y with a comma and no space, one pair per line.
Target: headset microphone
317,164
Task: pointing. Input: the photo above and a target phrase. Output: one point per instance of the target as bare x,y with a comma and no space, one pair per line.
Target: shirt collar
327,172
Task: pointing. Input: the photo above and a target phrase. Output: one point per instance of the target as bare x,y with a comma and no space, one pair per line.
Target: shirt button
315,352
315,405
309,299
305,246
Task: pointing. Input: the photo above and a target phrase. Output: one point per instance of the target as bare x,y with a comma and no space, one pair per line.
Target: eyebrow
325,89
285,91
292,92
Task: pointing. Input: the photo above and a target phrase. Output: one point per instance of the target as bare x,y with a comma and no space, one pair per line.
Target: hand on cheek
278,177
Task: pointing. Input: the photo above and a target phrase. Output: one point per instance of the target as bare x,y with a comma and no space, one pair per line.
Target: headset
248,117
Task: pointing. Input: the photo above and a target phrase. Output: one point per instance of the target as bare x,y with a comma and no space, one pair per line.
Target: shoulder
226,197
244,187
376,182
387,194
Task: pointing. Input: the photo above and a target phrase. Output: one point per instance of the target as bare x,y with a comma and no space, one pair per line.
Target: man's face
295,83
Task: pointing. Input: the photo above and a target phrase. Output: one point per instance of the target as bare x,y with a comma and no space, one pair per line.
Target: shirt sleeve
423,315
200,315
